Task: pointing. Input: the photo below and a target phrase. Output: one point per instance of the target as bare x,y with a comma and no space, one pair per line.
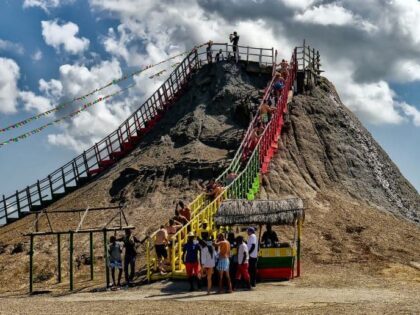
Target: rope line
59,120
79,98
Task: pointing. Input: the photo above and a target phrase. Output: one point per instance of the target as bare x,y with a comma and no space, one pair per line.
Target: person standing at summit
234,39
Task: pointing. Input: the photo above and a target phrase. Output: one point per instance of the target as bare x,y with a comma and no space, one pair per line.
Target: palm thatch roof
276,212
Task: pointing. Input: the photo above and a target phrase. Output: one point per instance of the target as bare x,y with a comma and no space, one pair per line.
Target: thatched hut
245,212
274,262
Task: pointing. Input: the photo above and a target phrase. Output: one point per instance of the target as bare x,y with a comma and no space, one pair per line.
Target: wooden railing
116,145
308,64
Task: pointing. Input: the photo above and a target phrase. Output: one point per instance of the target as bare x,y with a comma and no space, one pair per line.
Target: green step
256,185
250,196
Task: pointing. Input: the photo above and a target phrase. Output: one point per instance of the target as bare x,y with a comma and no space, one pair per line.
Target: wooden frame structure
122,226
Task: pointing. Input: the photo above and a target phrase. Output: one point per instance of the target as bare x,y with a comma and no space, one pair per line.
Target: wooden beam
94,230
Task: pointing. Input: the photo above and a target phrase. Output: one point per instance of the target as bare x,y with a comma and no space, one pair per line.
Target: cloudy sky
55,50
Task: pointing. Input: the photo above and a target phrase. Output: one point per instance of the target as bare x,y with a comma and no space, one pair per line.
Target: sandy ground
331,289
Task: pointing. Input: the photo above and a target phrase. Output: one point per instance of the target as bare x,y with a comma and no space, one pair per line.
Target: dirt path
341,291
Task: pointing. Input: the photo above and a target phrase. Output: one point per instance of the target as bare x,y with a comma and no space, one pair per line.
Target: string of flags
157,74
83,97
61,119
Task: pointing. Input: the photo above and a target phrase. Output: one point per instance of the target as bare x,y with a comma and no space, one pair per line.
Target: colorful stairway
251,160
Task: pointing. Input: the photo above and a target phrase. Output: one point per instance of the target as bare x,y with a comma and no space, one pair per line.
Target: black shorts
161,251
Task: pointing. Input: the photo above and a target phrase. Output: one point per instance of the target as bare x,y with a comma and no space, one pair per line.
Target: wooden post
173,257
18,204
71,260
148,260
31,262
86,163
96,152
64,178
127,129
59,258
91,254
39,191
298,246
108,146
51,188
75,175
28,196
180,250
5,207
106,258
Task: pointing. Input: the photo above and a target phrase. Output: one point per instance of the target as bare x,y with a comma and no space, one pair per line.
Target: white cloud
374,102
299,4
333,14
37,55
101,119
91,126
52,89
46,5
405,15
34,102
64,36
9,75
77,80
412,112
11,46
405,71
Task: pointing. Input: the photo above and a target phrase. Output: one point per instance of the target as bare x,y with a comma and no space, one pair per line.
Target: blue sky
114,36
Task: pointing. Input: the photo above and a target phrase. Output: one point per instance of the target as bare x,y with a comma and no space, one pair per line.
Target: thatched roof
276,212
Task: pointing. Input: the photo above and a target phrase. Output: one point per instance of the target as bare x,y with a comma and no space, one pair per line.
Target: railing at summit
246,181
104,153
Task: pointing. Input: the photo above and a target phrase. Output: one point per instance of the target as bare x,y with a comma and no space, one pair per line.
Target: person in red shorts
191,262
243,259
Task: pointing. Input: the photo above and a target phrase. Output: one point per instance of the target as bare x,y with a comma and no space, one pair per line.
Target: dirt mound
360,209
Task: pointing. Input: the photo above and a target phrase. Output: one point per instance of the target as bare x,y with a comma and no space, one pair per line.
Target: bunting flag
80,98
59,120
157,74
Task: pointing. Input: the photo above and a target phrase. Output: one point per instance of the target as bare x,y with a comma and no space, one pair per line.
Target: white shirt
243,250
207,261
252,239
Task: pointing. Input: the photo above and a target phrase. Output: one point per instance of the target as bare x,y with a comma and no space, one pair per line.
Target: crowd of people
231,261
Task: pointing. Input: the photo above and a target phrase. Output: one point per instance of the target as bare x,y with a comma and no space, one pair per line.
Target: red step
267,159
127,146
117,154
105,163
95,171
264,168
134,139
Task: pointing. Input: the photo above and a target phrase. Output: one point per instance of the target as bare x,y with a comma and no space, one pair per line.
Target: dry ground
334,289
